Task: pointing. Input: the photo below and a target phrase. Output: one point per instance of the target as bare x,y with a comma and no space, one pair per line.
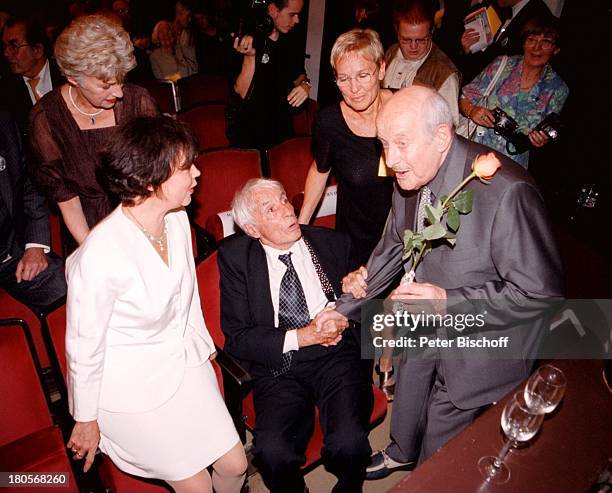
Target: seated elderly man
276,282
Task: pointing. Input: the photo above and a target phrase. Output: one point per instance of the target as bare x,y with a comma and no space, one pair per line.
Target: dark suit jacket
508,43
15,98
27,211
505,253
247,313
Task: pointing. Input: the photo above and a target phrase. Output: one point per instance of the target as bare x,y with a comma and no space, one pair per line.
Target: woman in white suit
140,382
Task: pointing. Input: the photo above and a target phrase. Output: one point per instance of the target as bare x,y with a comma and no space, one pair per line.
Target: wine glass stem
502,454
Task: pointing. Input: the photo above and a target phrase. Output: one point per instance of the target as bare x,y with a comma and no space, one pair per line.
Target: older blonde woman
70,125
345,143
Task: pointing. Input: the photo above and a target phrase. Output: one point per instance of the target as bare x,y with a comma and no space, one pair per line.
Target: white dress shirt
44,82
305,269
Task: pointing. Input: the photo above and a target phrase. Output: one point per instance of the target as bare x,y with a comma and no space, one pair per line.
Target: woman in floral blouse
528,89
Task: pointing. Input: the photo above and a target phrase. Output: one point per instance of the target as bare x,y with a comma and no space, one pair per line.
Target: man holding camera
271,80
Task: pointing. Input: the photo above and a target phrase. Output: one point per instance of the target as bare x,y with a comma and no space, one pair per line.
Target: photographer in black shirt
271,82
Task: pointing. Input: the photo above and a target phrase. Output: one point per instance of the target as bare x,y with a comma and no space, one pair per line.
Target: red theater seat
203,88
208,124
289,164
117,481
224,171
56,325
29,441
302,122
11,308
165,94
55,224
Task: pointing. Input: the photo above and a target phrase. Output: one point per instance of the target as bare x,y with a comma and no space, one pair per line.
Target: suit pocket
461,254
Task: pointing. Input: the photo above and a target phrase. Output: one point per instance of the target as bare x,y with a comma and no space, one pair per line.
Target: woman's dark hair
548,25
144,154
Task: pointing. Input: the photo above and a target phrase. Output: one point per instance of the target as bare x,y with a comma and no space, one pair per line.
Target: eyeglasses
419,41
362,78
545,44
12,47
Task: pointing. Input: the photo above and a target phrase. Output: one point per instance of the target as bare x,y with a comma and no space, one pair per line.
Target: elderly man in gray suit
504,251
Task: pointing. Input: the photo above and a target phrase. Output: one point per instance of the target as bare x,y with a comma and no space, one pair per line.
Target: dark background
582,156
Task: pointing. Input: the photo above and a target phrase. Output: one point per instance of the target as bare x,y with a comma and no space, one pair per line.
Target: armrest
236,385
232,368
206,243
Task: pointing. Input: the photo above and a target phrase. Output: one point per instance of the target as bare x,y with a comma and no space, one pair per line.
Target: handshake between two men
327,327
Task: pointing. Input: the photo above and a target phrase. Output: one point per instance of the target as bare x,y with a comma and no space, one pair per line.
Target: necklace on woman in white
92,116
158,241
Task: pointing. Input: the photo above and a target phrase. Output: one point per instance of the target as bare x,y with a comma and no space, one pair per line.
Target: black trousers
44,289
284,407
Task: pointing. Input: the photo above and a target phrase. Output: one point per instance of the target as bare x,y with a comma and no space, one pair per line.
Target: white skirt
176,440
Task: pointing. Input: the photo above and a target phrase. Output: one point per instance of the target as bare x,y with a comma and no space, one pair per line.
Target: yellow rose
484,167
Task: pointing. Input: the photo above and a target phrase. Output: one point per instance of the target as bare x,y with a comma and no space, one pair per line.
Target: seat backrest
11,308
223,172
55,224
164,93
203,88
302,121
289,163
23,406
208,124
207,273
221,225
119,482
56,323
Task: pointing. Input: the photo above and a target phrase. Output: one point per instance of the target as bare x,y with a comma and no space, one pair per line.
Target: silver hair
436,111
243,205
97,46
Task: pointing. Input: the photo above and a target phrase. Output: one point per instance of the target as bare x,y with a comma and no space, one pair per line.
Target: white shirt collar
44,81
418,62
43,71
272,253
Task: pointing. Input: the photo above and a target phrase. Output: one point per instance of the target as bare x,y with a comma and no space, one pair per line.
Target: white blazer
133,323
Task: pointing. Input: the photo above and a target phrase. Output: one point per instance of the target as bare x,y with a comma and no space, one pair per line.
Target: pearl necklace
157,241
92,116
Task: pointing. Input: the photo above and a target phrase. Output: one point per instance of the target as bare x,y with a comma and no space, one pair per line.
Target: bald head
422,102
415,127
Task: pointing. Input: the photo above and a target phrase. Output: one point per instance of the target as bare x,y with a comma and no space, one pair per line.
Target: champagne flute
520,424
545,389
